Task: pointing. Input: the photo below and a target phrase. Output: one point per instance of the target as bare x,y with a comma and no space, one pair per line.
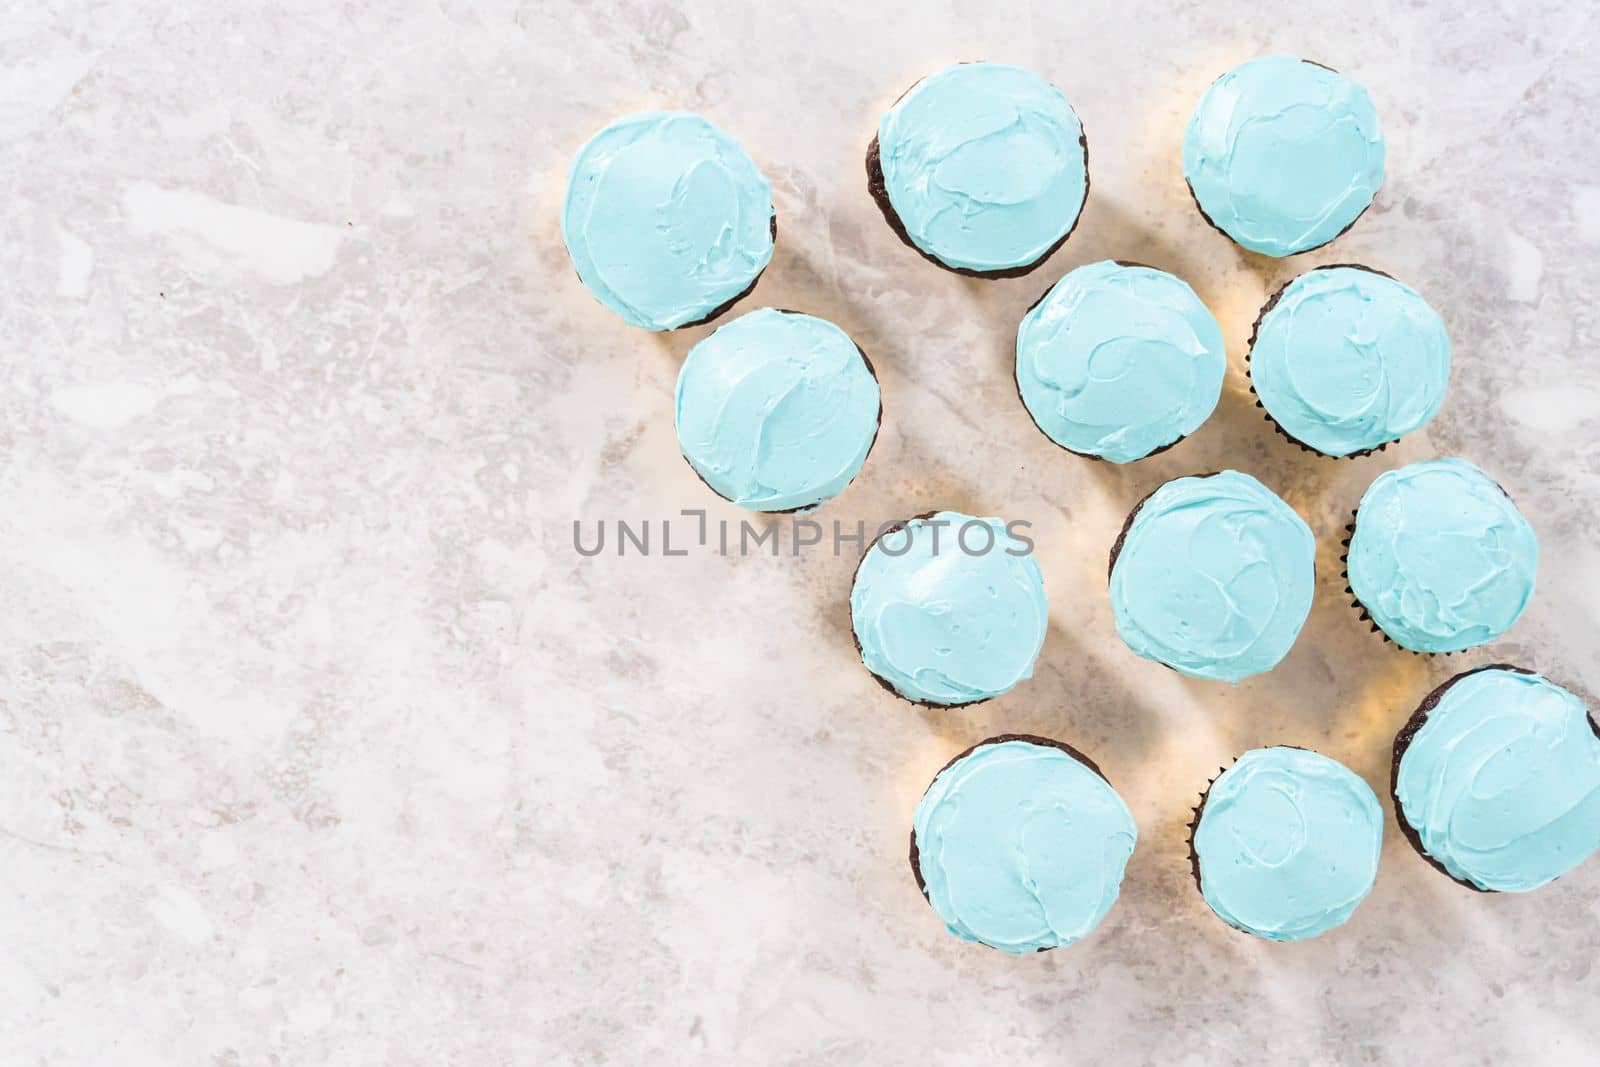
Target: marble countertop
322,744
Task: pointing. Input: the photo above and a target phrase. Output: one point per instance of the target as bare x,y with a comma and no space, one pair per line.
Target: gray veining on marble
322,745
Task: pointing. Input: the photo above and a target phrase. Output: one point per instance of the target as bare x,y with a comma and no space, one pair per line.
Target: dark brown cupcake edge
1355,601
1035,739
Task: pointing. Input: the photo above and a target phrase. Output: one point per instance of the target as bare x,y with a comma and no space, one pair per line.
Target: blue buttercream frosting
1349,359
1214,577
1288,843
949,609
1441,559
1283,154
1022,847
1502,782
776,410
1119,361
985,165
666,218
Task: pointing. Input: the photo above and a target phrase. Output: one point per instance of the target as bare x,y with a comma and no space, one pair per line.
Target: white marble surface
322,745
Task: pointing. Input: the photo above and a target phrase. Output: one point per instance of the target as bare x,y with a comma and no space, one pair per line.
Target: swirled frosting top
1022,847
1502,782
985,165
1441,558
776,410
1119,361
1283,154
949,609
1349,359
1288,843
666,218
1214,577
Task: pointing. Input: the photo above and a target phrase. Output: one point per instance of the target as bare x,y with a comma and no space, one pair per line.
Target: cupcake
1496,780
667,220
1283,155
1213,576
982,168
1119,361
1020,844
1285,843
776,411
948,609
1346,360
1440,558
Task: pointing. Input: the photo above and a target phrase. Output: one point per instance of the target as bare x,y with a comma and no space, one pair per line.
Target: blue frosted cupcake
667,220
948,609
1119,361
1496,780
1440,558
981,168
1345,360
1283,155
776,411
1020,844
1285,843
1213,576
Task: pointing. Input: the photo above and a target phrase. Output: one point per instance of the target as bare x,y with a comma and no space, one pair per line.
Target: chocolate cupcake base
1194,828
